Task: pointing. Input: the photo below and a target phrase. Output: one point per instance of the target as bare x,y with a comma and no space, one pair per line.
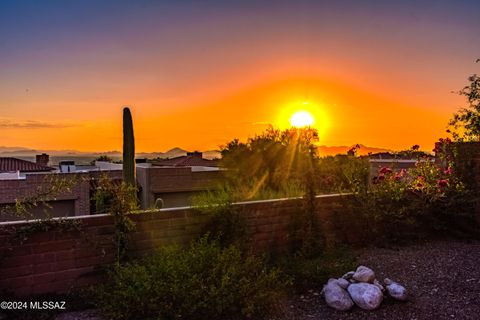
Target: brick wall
54,262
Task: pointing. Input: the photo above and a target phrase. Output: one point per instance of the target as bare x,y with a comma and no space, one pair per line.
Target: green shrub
204,281
341,173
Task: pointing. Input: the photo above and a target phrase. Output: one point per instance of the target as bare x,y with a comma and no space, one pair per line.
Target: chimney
196,154
42,159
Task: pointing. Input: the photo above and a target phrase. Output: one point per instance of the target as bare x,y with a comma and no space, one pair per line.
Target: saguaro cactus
128,148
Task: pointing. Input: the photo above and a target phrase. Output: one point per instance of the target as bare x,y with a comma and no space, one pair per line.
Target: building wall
58,208
178,183
55,262
79,195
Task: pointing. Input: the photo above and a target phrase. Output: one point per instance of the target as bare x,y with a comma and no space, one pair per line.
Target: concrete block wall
56,262
53,261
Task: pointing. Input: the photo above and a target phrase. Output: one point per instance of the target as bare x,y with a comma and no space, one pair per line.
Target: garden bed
442,277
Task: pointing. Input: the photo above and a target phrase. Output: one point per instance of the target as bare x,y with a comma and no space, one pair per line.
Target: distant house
192,159
9,166
174,180
394,161
177,180
21,179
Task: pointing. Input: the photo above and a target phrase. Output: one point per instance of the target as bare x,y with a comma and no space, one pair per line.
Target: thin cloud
32,124
261,123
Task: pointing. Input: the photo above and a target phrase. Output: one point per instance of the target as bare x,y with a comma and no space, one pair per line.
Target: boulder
336,297
364,274
343,283
366,296
396,290
379,285
348,275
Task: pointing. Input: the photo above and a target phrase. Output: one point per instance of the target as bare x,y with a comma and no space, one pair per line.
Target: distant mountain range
86,157
82,157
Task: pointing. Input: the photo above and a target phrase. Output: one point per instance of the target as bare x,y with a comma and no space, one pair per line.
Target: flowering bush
408,203
427,180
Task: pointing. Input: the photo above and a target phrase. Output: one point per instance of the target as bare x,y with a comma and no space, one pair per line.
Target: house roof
186,161
8,164
397,156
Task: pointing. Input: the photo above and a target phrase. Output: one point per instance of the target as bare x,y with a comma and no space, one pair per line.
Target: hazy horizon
29,153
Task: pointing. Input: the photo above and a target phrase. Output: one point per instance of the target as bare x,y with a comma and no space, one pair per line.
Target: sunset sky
200,73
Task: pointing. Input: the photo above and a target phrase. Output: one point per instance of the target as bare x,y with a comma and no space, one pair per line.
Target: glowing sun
302,119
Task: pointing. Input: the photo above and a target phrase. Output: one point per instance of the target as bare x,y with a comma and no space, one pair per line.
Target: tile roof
14,164
186,161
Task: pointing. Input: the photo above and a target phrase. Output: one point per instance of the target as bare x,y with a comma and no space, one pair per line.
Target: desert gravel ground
442,278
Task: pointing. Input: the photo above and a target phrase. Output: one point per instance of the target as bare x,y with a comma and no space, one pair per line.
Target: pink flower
420,181
399,175
385,170
448,171
443,183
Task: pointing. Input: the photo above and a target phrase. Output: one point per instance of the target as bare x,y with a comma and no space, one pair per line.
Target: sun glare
302,119
300,114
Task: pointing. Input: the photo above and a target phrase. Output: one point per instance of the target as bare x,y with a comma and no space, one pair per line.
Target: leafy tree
413,153
274,160
468,119
104,158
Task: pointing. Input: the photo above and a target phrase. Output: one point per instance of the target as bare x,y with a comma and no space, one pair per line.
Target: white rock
396,290
365,295
379,285
343,283
337,297
348,275
364,274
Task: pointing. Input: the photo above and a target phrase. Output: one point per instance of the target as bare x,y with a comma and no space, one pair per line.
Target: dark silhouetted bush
204,281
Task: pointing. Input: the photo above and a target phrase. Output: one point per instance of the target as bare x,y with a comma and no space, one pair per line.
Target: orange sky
380,76
349,114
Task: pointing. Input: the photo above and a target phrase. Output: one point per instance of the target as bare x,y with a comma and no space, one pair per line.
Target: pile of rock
360,287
